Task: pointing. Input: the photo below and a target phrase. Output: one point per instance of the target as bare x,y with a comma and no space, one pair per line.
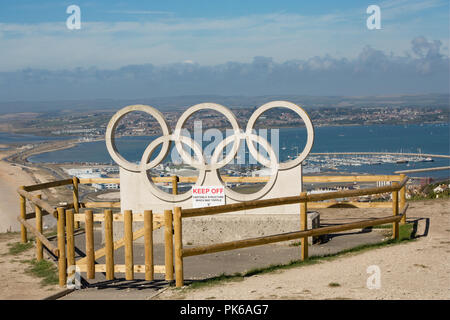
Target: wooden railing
303,199
70,216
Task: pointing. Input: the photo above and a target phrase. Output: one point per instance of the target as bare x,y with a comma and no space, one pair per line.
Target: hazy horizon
138,50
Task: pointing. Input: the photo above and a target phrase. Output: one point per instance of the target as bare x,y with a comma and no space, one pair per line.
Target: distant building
311,169
262,172
83,173
106,186
383,183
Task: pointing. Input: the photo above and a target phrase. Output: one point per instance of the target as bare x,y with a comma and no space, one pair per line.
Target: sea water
426,138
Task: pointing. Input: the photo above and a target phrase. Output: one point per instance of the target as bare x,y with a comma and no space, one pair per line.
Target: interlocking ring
231,118
298,110
110,137
200,164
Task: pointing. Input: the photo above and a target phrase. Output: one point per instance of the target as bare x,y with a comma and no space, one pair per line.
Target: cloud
371,72
393,9
141,12
162,38
426,49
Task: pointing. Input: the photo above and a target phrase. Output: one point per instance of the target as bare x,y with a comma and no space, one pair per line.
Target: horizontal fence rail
286,236
306,179
39,202
40,236
196,212
47,185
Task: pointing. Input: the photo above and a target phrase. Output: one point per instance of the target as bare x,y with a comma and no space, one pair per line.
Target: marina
326,162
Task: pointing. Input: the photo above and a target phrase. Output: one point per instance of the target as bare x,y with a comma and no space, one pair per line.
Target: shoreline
16,171
11,177
437,123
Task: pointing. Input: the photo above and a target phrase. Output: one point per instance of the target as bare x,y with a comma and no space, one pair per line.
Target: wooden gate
66,244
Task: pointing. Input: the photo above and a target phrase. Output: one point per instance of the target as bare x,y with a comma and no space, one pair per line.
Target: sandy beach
17,172
11,178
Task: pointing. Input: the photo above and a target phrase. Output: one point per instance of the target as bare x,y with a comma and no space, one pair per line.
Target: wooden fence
68,220
71,215
303,199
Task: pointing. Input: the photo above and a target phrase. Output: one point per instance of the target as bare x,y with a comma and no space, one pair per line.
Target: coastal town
92,124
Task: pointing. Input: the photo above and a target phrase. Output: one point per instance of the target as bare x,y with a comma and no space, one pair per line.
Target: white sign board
207,196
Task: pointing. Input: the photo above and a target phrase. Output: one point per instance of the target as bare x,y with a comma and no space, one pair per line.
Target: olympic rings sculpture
200,164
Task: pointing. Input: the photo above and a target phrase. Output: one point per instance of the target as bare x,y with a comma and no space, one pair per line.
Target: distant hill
182,102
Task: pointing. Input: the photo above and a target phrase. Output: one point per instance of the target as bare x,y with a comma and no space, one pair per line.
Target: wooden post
109,247
395,228
23,215
168,241
76,200
128,233
178,235
403,199
303,227
89,231
148,238
70,239
61,248
175,184
39,247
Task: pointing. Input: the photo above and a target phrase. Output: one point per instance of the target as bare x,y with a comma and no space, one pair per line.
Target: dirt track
413,270
15,282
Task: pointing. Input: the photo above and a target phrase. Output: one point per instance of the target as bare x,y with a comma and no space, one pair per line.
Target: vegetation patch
18,247
222,278
44,269
432,191
334,284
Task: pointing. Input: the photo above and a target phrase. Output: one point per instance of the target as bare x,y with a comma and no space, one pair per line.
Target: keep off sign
205,196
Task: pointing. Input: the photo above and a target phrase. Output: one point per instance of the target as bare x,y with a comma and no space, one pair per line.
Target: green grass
406,232
405,235
44,269
18,247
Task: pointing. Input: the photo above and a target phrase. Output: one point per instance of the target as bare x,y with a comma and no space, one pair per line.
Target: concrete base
230,227
136,194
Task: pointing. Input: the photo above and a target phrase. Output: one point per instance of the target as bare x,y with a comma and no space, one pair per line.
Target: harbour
368,149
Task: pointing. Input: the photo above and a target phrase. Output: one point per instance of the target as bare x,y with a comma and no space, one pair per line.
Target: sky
132,49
